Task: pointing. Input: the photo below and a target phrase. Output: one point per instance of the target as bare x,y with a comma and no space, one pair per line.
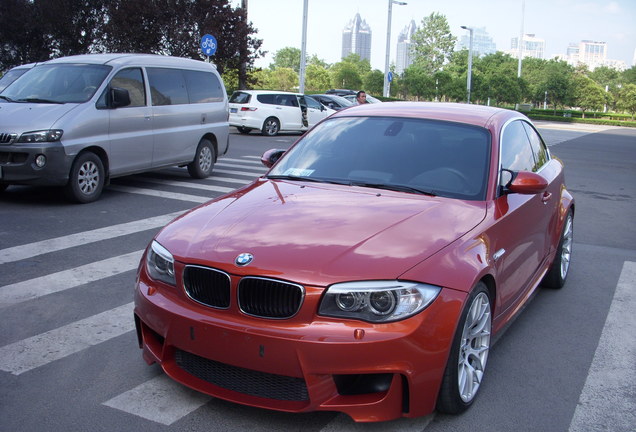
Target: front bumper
370,372
17,164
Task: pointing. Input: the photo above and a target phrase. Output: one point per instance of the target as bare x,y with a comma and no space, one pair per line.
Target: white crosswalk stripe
161,399
36,351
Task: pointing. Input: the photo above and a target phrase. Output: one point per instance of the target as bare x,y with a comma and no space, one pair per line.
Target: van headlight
50,135
160,264
377,301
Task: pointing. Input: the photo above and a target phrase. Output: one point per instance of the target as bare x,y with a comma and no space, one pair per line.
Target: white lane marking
243,161
161,400
344,423
66,279
30,250
241,173
36,351
231,165
160,194
190,185
233,180
607,399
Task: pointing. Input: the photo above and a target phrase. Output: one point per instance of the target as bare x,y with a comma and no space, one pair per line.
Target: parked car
332,101
341,92
369,271
79,121
272,112
370,99
13,74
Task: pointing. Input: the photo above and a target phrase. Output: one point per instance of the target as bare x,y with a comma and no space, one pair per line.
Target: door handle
546,197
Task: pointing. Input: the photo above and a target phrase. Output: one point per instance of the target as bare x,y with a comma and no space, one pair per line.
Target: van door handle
147,117
546,197
203,118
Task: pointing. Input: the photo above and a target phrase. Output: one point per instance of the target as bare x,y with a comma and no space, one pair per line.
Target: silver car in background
79,121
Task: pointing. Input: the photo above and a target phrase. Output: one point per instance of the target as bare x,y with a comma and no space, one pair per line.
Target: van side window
203,87
133,81
167,86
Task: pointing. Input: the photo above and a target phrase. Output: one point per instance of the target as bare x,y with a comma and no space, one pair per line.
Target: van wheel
243,130
86,180
271,126
201,166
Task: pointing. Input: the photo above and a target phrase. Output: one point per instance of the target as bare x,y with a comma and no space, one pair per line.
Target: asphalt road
68,354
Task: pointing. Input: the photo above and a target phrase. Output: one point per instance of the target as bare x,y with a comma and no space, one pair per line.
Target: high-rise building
483,44
356,38
592,54
404,57
531,46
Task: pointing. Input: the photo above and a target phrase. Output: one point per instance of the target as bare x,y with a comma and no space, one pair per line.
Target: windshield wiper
7,98
309,179
38,100
395,187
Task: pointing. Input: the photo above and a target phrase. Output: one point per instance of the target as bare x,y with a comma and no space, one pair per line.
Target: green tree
288,57
588,95
433,43
345,75
627,99
629,76
558,82
373,82
317,78
285,79
417,83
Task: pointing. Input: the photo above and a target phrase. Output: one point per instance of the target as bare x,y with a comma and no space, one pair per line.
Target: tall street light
385,90
470,60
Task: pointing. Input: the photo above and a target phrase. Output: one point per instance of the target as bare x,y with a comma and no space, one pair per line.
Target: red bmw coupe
368,271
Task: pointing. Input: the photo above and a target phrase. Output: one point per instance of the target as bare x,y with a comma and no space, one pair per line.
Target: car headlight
160,264
50,135
377,301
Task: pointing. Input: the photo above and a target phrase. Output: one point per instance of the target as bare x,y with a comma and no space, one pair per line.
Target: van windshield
57,83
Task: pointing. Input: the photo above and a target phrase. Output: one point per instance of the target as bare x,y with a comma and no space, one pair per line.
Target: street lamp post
470,61
385,90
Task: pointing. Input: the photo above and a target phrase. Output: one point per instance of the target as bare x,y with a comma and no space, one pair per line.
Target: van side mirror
119,97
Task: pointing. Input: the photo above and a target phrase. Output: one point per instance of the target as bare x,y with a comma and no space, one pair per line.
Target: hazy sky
558,22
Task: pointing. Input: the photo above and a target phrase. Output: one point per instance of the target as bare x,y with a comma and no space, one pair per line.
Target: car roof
478,115
267,92
123,59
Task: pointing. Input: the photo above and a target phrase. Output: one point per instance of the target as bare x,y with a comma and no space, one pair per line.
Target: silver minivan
79,121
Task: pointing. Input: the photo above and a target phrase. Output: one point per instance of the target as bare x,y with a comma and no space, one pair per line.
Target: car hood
319,234
17,117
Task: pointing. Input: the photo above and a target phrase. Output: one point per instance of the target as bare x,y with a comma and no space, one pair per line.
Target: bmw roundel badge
244,259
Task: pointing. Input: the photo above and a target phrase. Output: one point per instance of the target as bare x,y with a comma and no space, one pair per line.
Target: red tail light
248,109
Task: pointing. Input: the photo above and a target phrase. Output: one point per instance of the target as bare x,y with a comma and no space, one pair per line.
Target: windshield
410,155
11,76
57,83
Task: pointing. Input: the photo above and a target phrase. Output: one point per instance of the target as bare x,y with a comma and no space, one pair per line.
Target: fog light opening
358,384
40,161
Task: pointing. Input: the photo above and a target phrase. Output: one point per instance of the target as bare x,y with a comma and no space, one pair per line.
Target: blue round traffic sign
208,45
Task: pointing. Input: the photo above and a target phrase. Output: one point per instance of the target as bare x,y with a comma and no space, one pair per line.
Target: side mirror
270,157
527,183
119,97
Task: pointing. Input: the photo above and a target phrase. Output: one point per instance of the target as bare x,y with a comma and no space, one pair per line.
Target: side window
203,87
516,153
266,99
167,86
312,103
132,80
541,155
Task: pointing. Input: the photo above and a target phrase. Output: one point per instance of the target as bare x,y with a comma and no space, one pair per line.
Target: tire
469,353
243,130
560,268
203,162
86,179
271,126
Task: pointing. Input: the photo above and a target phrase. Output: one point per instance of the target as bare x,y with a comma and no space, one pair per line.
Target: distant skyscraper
403,57
356,38
531,46
592,54
482,42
